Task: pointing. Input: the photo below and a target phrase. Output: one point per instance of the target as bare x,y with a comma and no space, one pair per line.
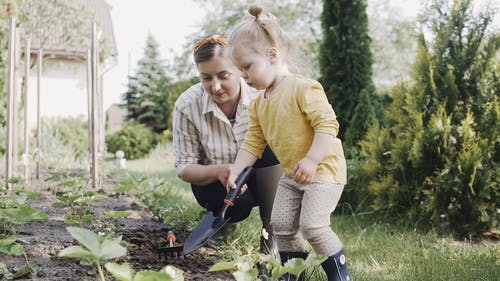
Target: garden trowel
212,224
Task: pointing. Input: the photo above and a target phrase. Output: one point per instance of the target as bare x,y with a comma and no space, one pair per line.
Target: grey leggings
265,189
307,207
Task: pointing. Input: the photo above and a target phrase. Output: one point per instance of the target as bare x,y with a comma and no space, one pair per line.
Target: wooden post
26,154
95,128
89,98
15,105
102,117
38,113
10,100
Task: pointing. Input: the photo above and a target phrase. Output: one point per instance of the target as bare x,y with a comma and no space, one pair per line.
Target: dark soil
42,242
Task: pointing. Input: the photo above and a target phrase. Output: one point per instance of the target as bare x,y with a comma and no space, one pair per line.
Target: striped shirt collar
209,105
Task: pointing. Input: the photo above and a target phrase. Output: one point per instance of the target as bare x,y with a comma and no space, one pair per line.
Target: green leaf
14,180
30,213
24,270
222,266
117,214
174,272
147,275
111,249
33,195
249,275
314,260
23,214
12,250
7,240
122,272
58,204
76,252
87,238
295,266
77,219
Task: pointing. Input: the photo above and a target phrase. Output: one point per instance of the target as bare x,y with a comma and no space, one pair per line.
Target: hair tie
255,11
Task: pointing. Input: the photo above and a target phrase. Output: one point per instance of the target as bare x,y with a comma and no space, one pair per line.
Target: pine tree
145,96
131,98
364,116
346,60
437,163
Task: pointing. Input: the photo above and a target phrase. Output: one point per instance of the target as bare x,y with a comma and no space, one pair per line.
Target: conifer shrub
436,164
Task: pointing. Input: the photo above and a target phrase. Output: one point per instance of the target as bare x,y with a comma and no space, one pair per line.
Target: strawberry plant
72,193
124,272
246,267
92,249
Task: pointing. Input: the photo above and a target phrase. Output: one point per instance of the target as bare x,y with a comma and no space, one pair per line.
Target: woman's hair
260,31
208,47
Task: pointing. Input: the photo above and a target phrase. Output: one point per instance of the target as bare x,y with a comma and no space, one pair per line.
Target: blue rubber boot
285,256
336,267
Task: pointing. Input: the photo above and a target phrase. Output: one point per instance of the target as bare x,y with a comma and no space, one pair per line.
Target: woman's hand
304,171
222,172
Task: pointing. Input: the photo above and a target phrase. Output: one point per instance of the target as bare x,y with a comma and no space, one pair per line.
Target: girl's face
255,67
220,79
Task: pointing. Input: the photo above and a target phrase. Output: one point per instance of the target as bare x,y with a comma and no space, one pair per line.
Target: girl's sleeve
314,104
254,141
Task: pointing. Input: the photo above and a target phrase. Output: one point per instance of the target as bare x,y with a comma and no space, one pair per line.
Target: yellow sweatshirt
288,120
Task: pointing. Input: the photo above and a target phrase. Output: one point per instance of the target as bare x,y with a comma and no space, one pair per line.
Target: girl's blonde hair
260,31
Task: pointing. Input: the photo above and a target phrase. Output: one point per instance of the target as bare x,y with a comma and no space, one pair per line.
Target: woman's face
220,79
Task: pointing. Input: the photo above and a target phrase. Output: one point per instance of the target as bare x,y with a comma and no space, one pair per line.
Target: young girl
294,117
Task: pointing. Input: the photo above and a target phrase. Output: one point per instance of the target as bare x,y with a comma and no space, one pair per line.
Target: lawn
376,250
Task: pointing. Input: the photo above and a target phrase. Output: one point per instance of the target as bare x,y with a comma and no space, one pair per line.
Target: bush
134,139
64,142
434,165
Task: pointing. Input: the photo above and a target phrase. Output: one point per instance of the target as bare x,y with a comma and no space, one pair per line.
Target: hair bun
255,11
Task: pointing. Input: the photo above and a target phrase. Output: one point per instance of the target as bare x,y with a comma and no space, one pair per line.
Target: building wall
63,90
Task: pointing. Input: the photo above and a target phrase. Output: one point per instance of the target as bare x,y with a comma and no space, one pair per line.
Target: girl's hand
231,183
304,171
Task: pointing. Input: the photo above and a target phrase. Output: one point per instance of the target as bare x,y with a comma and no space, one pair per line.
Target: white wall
63,90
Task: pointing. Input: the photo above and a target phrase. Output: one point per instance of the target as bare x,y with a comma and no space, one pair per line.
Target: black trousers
211,196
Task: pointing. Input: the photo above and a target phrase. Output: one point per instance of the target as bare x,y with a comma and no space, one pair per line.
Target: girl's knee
283,229
313,232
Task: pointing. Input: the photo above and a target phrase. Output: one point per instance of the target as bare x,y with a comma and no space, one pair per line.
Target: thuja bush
437,162
134,139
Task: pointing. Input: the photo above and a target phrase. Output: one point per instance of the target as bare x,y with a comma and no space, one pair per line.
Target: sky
169,21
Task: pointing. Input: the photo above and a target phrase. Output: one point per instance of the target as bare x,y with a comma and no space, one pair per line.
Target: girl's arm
305,169
243,159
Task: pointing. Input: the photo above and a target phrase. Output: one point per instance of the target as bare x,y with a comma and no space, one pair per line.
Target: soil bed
42,242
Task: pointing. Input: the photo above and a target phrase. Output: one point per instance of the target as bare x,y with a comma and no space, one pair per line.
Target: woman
210,121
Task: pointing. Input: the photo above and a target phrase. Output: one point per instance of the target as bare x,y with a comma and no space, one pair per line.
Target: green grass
376,251
389,252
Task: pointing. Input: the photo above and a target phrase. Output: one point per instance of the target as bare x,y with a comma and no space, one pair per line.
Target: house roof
103,14
55,43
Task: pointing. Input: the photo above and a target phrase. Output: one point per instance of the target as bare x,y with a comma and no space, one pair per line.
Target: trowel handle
240,181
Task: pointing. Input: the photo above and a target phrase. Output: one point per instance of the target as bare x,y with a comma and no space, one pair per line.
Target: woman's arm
205,174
